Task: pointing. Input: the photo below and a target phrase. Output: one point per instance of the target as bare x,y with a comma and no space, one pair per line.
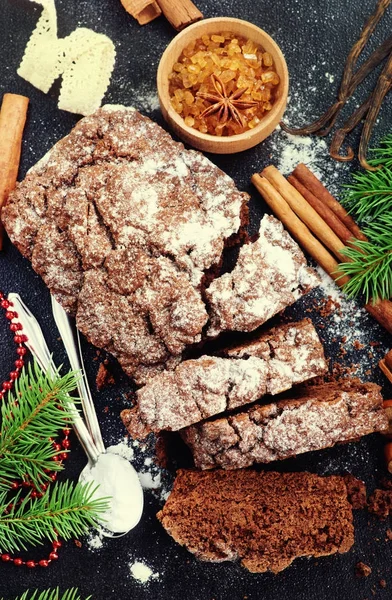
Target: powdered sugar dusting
142,572
243,299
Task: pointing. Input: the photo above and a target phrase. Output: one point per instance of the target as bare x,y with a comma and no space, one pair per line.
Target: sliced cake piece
200,388
321,417
265,519
269,275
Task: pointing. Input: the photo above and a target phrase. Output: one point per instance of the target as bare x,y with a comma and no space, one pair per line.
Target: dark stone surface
315,37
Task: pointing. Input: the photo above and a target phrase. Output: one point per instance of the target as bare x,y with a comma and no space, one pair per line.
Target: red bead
53,476
56,458
7,385
18,339
20,326
18,562
56,544
64,456
14,375
31,564
14,327
5,304
19,363
14,485
33,494
43,563
57,447
66,444
53,556
9,315
66,431
21,351
24,338
44,487
5,557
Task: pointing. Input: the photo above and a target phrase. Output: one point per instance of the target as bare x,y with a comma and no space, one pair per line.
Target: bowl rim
208,137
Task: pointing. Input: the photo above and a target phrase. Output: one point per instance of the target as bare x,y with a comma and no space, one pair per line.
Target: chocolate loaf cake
323,416
123,223
264,519
197,389
269,275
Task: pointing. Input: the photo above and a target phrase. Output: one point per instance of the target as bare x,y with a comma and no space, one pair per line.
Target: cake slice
264,519
197,389
270,274
323,416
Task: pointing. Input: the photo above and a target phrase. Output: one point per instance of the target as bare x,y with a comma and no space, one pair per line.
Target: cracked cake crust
123,224
197,389
323,416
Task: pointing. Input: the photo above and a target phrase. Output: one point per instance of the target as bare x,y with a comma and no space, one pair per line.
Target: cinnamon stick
331,219
310,181
298,229
304,211
180,13
12,121
386,370
144,11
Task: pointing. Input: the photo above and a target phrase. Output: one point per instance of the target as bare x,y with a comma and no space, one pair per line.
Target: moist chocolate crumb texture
197,389
125,226
264,519
323,416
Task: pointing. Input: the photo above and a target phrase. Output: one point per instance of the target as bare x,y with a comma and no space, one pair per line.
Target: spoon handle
37,345
72,347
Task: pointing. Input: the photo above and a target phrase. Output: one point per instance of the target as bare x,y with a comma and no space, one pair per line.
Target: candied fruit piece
178,67
189,98
267,59
219,39
227,75
193,68
268,77
255,121
190,121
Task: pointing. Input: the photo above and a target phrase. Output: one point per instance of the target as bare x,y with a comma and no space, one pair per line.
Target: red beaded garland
21,351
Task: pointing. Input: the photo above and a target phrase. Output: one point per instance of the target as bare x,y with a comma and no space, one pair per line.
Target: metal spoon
39,349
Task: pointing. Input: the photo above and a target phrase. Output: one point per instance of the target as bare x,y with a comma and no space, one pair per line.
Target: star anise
224,105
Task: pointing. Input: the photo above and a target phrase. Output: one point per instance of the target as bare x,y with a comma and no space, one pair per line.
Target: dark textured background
315,37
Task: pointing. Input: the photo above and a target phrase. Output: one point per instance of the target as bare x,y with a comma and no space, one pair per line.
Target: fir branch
68,508
369,199
370,270
51,594
370,195
35,413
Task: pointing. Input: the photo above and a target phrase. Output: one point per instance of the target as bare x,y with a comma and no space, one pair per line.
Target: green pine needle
26,425
68,508
51,594
370,269
369,199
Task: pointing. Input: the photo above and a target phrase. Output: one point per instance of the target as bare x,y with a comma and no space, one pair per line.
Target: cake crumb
362,570
104,376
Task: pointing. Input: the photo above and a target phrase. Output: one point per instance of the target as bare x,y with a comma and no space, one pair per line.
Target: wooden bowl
205,141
